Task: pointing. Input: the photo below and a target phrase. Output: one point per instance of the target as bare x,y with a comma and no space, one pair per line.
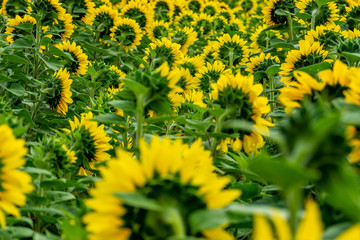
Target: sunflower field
180,119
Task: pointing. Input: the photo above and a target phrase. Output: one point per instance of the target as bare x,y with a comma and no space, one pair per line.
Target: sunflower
184,19
91,143
308,54
138,11
237,25
261,38
352,16
186,81
270,17
15,22
158,30
163,10
325,15
126,32
80,61
334,83
210,74
348,34
203,24
195,5
352,95
166,51
328,36
341,5
65,21
193,64
261,62
195,97
185,37
240,95
104,16
13,8
46,9
209,51
61,95
232,50
210,8
248,6
172,185
220,23
179,7
310,227
227,14
14,184
81,8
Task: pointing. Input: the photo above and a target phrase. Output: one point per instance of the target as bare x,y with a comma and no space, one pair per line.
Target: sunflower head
89,142
261,62
353,15
327,36
14,7
162,51
185,37
324,15
271,18
126,32
185,19
176,178
158,30
77,61
203,24
195,5
13,182
261,38
60,95
163,10
48,10
139,11
239,96
348,46
103,18
16,33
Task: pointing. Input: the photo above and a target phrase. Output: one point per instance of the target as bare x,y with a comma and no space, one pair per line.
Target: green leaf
59,196
323,2
282,173
17,232
277,43
93,48
242,209
33,170
272,70
21,43
281,12
136,87
4,78
248,190
353,57
315,68
138,200
27,27
124,105
109,118
207,219
303,16
17,59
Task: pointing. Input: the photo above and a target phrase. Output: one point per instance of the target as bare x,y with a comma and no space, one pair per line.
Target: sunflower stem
218,128
313,18
139,117
177,222
272,93
231,60
290,26
293,199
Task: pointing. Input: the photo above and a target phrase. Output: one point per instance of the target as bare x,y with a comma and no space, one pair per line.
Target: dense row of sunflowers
188,119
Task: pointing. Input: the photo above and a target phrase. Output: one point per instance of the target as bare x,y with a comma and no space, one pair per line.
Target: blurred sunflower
348,34
334,83
14,184
270,17
49,10
352,16
310,227
163,10
248,7
64,22
166,51
126,32
184,19
158,30
341,5
186,81
232,50
210,74
325,15
90,143
15,22
203,24
193,64
103,18
261,62
352,95
138,11
194,5
227,14
220,23
80,61
210,8
328,36
178,187
261,38
308,54
80,9
348,45
60,96
194,97
237,26
185,37
241,97
209,51
14,7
